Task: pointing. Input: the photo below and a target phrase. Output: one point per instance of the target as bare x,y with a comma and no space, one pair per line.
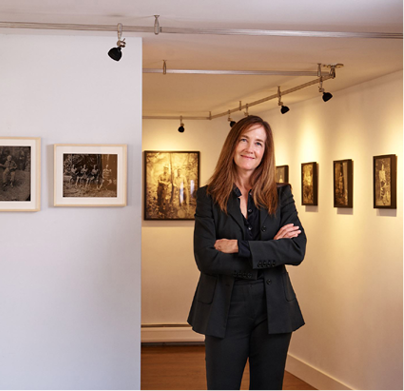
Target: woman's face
250,149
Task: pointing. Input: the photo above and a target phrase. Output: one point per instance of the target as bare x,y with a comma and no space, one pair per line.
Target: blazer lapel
233,210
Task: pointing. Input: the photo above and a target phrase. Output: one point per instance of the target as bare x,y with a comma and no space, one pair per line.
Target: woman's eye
259,144
243,140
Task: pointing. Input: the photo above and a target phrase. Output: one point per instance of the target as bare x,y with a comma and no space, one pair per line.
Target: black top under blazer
210,307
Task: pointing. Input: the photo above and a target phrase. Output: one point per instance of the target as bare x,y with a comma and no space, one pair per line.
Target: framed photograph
343,183
90,175
282,174
309,184
385,181
171,182
20,170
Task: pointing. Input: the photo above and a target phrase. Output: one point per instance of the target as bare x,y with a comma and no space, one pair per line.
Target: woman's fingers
288,231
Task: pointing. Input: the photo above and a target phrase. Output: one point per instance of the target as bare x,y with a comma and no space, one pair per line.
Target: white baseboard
170,335
313,376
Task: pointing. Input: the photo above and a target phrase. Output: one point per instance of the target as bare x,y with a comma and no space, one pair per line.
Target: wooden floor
183,368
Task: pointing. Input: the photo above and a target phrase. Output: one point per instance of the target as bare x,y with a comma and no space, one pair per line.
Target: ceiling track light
181,128
326,95
116,53
246,110
284,109
156,25
232,123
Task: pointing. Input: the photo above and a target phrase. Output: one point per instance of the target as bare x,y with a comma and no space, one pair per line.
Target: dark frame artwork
309,184
385,182
282,174
171,182
343,183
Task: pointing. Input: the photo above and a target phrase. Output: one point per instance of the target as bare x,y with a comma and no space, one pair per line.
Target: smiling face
250,149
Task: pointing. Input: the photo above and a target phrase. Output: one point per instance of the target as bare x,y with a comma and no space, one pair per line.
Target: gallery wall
70,277
350,284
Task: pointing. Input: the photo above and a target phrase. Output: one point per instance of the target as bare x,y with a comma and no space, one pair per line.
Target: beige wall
350,284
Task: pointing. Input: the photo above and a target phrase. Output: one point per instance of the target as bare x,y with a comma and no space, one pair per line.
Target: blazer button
269,282
263,229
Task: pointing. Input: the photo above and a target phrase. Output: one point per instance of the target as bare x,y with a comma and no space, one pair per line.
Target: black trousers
247,337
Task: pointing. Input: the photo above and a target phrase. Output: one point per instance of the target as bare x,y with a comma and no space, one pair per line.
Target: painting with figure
309,184
282,174
343,183
171,182
20,174
384,181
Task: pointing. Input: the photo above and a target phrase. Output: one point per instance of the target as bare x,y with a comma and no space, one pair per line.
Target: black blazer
211,302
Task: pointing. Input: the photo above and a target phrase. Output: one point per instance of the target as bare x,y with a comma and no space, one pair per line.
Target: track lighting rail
232,72
174,30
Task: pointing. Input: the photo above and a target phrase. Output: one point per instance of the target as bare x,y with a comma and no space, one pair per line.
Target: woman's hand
228,246
288,231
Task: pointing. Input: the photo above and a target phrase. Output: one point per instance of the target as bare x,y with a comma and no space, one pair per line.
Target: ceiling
195,95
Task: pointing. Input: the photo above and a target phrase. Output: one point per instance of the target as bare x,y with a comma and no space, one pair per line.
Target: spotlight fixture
246,110
116,53
284,109
181,128
232,123
156,25
326,95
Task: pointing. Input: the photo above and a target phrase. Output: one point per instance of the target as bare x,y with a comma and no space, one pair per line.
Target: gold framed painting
343,183
171,182
90,175
385,182
20,173
309,184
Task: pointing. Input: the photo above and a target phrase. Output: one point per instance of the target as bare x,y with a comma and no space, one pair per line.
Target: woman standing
246,230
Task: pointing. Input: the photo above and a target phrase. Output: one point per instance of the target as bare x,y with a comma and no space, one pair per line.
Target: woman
246,230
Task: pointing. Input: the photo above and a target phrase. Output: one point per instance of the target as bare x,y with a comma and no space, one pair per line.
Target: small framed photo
385,181
309,184
171,182
90,175
20,170
282,174
343,183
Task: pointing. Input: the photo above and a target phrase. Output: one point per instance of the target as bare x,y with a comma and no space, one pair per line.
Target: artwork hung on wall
343,183
171,182
282,174
90,175
385,181
20,170
309,184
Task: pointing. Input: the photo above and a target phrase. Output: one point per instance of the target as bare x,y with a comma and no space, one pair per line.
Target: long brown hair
263,179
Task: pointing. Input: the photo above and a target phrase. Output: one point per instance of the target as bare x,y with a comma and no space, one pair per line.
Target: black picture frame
282,174
309,184
171,179
343,183
385,182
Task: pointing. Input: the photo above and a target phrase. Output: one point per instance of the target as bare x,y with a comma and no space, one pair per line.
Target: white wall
350,284
70,277
167,250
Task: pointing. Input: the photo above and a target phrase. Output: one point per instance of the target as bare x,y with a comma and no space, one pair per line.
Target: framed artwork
20,170
385,181
309,184
90,175
343,183
171,182
282,174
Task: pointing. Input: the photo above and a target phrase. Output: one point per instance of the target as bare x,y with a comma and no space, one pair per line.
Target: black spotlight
115,53
181,128
327,96
284,109
232,123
